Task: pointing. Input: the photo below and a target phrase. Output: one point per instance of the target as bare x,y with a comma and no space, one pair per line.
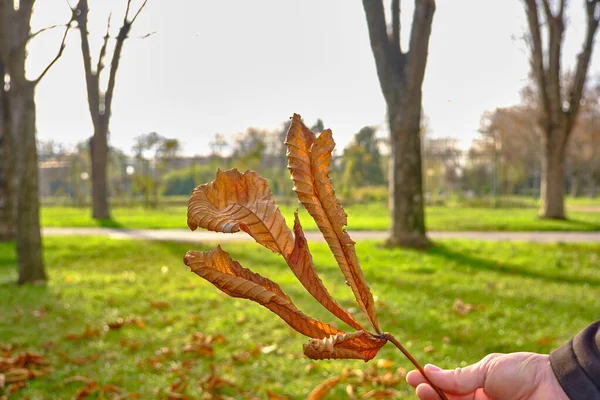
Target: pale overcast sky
216,66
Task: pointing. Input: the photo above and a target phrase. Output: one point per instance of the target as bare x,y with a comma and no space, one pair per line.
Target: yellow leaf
235,201
309,161
301,263
230,277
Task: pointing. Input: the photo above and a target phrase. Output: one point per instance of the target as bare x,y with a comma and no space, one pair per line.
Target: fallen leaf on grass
320,391
202,344
13,387
130,344
268,349
545,341
79,360
160,356
159,304
213,382
121,322
118,324
86,391
381,363
350,392
86,334
78,378
16,371
429,349
380,394
461,308
91,388
242,357
276,396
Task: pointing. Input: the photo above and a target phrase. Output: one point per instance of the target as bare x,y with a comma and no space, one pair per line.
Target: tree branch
126,18
138,11
91,79
548,11
555,39
380,44
537,55
397,46
561,10
60,51
419,44
100,65
34,34
583,61
114,66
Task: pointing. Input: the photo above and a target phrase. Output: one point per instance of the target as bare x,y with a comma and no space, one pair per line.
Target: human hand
496,377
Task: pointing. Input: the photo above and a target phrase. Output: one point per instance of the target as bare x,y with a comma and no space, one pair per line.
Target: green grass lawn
372,216
523,297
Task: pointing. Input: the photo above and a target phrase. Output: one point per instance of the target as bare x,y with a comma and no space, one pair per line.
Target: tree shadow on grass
575,224
109,223
462,260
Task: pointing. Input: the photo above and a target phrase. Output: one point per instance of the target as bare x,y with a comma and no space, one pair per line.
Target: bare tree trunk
8,226
29,241
553,175
406,182
99,156
15,33
401,77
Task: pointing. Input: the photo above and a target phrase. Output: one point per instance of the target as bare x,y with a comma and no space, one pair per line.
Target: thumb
460,380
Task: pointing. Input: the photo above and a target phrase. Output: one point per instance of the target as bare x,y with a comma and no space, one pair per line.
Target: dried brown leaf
235,201
325,387
78,378
301,263
220,260
229,276
309,161
380,394
359,345
159,304
350,392
79,360
86,334
276,396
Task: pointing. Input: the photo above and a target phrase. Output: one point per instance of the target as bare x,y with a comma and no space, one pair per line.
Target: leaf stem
392,339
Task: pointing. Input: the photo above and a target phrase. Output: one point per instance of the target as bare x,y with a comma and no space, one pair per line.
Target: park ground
128,316
583,216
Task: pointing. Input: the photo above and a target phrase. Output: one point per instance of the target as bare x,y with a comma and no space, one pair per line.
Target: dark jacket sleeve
576,364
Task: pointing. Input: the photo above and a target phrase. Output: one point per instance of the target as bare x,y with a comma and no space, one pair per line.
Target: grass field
515,297
372,216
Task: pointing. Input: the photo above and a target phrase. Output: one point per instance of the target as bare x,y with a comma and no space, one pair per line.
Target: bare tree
100,102
557,107
401,75
15,33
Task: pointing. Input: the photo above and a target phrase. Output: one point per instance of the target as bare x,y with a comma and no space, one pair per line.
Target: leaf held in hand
235,201
301,263
309,162
230,277
359,345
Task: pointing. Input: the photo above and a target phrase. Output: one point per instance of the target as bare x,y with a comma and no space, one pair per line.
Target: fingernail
432,368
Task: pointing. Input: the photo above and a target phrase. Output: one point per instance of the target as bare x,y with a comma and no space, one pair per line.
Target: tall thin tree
558,102
15,34
100,101
401,75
